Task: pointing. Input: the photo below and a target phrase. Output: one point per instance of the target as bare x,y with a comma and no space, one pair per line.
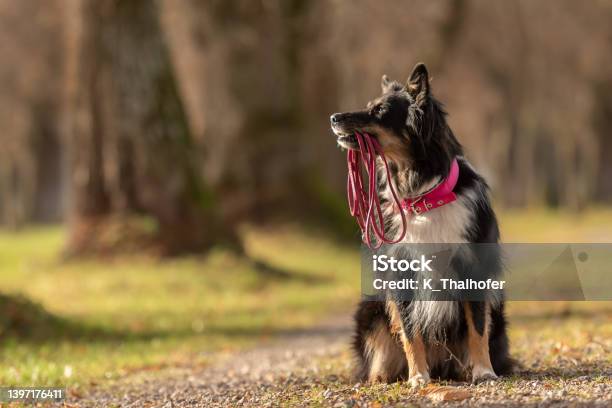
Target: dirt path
311,368
255,377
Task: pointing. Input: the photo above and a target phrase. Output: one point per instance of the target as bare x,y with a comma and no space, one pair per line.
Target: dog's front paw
419,380
481,374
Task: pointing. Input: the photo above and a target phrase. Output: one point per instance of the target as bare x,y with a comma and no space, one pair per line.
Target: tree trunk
132,150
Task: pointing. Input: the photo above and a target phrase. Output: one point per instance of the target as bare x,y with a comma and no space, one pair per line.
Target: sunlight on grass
556,226
72,322
133,311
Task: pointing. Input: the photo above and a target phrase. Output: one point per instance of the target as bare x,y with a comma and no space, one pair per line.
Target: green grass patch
71,322
556,226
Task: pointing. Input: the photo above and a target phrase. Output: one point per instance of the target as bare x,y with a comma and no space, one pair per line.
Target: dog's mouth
346,139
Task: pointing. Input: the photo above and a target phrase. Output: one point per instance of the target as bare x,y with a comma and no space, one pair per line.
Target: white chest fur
446,224
443,225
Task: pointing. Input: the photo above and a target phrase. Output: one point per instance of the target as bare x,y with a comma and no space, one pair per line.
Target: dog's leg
478,319
414,348
379,353
416,356
385,355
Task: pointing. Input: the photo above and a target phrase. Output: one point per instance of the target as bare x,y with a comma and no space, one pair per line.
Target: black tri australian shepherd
418,340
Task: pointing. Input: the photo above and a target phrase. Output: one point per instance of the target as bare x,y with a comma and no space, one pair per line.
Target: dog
419,340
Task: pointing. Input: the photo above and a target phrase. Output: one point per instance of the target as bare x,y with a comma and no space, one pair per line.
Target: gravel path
256,377
311,368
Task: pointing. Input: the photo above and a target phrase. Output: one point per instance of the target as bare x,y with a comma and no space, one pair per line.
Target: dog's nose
335,118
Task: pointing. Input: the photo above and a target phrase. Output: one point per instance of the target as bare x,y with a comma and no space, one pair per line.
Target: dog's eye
377,110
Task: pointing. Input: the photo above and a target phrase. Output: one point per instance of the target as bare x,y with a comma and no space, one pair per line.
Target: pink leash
367,211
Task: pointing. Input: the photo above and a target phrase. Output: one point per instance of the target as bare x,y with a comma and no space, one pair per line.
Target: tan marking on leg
414,349
396,321
478,347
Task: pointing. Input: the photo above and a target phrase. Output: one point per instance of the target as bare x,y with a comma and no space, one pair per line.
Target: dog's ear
385,84
418,83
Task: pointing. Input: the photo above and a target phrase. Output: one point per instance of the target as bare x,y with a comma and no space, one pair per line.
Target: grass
75,323
557,226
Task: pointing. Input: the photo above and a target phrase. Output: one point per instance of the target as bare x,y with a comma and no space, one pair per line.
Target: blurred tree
602,119
252,75
31,179
131,147
206,114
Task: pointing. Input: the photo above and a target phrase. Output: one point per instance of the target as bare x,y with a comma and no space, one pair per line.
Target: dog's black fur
410,125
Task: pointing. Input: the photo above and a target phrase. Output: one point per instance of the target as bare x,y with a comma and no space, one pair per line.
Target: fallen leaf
74,393
445,393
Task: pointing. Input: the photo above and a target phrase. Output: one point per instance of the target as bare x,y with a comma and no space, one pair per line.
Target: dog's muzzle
346,139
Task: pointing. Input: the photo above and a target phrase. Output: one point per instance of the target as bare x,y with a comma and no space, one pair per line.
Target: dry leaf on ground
436,393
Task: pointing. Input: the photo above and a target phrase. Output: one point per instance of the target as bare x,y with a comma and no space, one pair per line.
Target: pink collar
437,197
